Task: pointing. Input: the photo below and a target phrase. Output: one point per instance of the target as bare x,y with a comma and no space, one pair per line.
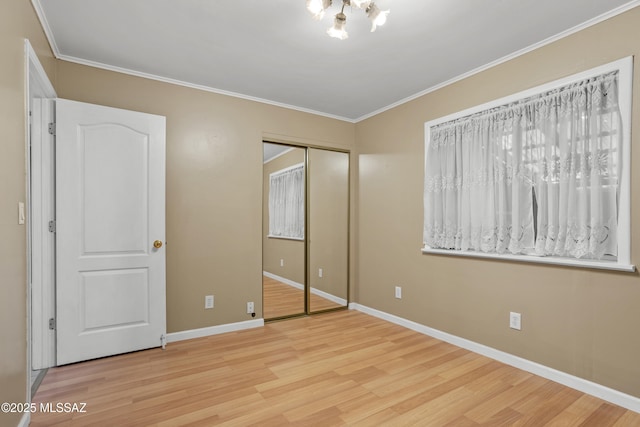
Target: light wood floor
280,299
340,368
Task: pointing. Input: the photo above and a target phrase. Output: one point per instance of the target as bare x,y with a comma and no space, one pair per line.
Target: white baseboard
610,395
283,280
315,291
213,330
330,297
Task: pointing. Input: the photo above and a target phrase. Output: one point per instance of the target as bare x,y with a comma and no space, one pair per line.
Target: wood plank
340,368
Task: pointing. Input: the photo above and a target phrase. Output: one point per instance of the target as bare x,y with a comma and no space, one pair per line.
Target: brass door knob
157,244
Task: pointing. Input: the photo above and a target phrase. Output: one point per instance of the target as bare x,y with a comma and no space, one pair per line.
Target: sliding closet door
328,246
283,243
305,266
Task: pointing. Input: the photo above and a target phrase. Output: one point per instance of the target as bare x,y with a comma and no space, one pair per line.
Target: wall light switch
281,263
319,272
398,292
21,216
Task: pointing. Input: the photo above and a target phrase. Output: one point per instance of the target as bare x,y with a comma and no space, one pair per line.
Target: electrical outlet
250,308
319,272
398,292
281,263
515,321
208,301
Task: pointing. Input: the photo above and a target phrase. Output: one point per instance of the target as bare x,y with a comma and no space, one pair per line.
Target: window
286,203
542,175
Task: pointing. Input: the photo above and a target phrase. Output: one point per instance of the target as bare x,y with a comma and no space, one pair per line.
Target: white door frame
42,229
40,242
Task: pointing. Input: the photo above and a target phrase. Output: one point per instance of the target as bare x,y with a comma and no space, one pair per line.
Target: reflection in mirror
328,229
283,231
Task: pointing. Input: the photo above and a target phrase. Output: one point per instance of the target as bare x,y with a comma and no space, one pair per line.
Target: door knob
157,244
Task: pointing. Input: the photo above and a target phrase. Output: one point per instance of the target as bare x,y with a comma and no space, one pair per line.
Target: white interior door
110,209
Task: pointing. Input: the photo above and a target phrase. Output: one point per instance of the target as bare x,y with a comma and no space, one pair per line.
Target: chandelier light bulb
317,8
378,17
362,4
337,30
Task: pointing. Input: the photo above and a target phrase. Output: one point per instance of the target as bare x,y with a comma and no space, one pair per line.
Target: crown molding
54,47
614,12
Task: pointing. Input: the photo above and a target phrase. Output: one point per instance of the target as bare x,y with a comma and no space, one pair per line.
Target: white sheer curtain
286,203
536,176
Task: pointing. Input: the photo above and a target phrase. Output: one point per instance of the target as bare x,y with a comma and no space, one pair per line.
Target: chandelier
317,8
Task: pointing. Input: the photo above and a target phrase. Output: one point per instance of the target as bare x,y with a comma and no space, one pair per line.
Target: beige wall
17,22
214,184
274,250
584,322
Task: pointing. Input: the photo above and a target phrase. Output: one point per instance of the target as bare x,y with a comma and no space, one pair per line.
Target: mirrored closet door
305,230
283,231
328,244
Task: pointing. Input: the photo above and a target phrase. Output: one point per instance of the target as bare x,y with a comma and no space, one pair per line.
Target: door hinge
52,128
52,324
52,226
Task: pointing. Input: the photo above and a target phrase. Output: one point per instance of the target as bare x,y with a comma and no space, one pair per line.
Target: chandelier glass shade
377,17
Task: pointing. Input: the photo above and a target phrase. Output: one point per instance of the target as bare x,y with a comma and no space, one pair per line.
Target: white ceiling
273,51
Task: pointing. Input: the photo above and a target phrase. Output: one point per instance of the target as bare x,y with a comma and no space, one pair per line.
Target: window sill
569,262
299,239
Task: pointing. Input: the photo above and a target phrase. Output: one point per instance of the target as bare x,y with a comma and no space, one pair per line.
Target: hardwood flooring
280,299
333,369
